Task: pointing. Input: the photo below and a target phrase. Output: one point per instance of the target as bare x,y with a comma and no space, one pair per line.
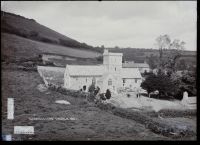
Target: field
91,124
15,47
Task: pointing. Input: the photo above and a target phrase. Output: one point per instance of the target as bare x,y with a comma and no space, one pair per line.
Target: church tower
112,63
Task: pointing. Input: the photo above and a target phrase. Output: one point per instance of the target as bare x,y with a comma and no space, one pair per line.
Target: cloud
114,23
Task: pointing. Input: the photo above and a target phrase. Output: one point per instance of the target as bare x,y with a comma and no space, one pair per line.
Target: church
109,75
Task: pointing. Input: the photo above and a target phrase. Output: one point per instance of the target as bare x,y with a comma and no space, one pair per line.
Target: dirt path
91,123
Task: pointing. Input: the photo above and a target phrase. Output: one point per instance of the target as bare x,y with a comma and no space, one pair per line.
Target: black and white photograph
98,70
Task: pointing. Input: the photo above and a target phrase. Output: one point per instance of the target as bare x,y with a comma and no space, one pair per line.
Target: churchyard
79,119
182,114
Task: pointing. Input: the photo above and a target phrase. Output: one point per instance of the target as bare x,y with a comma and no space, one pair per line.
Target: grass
15,47
150,120
92,123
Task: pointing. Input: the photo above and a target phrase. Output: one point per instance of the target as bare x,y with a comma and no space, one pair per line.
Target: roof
98,70
135,65
85,70
131,73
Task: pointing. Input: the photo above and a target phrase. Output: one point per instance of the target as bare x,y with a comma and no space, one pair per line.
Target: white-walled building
110,75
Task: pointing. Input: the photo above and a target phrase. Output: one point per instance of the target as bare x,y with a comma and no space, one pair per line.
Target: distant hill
140,54
24,38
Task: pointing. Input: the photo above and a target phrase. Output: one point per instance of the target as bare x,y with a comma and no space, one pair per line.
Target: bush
91,88
108,94
154,124
102,97
128,95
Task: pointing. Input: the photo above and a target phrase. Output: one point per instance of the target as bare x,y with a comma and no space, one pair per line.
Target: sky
124,24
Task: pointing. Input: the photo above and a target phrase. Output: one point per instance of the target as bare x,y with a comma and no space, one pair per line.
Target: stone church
110,75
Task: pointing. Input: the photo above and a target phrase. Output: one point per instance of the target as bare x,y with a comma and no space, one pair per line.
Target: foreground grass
92,123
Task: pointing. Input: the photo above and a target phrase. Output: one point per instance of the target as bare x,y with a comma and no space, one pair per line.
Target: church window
124,81
115,68
86,80
109,82
135,80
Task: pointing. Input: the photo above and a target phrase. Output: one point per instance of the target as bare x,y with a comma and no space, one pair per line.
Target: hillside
22,37
14,47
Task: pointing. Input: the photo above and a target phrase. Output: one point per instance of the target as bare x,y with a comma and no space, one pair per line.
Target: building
109,75
141,66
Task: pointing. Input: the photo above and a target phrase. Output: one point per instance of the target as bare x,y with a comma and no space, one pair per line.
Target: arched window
110,82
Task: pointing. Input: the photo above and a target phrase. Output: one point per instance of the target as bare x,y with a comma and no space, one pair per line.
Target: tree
91,88
169,52
84,88
108,94
181,65
184,82
163,43
160,82
150,83
153,61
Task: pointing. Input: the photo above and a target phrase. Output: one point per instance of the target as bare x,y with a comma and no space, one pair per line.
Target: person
138,92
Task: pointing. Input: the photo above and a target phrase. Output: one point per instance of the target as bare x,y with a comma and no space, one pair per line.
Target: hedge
156,125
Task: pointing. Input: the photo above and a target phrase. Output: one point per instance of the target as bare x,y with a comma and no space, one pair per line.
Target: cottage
110,75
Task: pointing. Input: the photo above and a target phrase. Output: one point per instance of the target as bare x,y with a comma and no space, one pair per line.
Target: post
10,108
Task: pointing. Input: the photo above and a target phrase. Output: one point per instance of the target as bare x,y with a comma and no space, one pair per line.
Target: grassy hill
25,38
15,48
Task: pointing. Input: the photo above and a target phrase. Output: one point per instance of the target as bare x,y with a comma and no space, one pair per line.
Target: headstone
185,98
63,102
10,108
185,95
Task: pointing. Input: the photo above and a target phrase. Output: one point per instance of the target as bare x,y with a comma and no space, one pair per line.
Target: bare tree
163,43
169,52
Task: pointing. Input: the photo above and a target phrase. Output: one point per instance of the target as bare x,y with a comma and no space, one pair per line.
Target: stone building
109,75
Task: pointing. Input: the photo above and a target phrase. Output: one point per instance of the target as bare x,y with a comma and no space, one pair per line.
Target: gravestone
184,101
10,108
62,102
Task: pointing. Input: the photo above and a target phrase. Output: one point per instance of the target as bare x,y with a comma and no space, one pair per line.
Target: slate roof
85,70
131,73
97,70
135,65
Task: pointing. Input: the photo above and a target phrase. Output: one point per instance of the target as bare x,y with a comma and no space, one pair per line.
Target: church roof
135,65
85,70
97,70
131,73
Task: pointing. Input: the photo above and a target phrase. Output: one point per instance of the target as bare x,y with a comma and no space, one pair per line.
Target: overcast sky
113,23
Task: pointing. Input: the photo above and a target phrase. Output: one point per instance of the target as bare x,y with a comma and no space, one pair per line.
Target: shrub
84,88
108,94
154,124
91,88
128,95
102,97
